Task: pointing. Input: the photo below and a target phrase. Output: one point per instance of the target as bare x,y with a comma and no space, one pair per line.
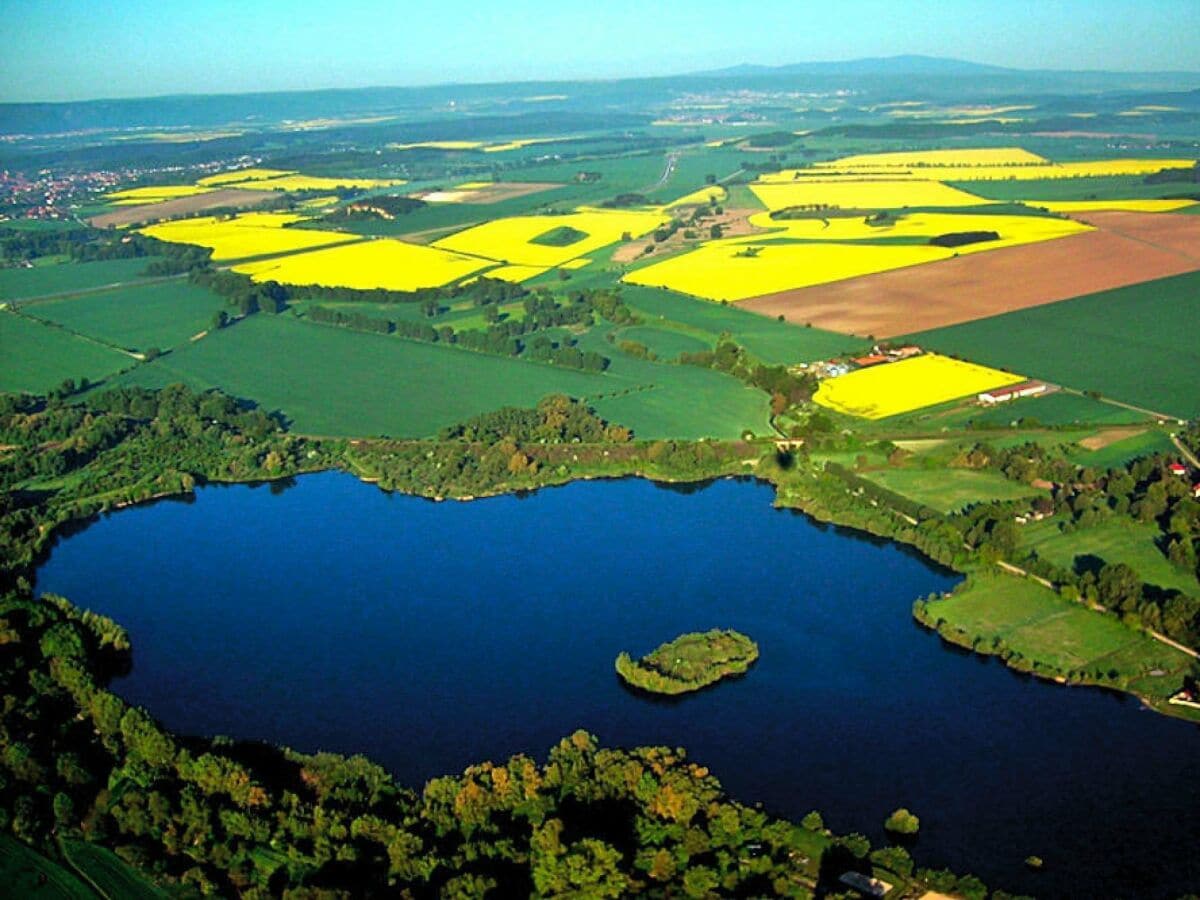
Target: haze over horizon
76,50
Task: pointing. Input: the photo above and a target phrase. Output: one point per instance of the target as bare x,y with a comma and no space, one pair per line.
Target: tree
901,821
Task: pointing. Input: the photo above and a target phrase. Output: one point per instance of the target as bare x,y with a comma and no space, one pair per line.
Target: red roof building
1177,469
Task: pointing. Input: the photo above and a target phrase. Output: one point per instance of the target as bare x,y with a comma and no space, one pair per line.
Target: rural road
672,158
1162,638
1187,454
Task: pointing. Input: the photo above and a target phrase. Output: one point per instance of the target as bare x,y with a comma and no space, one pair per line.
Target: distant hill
909,64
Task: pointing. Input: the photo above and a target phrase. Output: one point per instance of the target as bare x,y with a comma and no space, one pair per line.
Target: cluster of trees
1146,491
245,295
503,338
126,445
557,419
1168,176
689,662
786,388
381,207
963,238
85,244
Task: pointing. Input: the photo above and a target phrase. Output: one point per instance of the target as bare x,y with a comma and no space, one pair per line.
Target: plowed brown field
1126,248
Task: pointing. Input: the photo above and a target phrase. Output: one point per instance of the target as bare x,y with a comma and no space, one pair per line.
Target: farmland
247,235
730,271
383,263
1036,623
865,193
1126,343
332,381
1111,541
29,874
38,357
899,387
1123,249
949,490
136,317
513,240
111,876
42,281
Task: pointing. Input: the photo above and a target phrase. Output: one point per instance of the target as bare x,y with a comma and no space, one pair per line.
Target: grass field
334,381
949,490
41,281
899,387
26,873
664,342
111,876
667,400
39,357
1132,343
370,264
1035,622
1075,206
1061,408
137,317
1121,452
774,342
1093,188
1118,540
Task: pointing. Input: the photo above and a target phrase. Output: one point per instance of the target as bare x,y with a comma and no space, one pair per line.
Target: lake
328,615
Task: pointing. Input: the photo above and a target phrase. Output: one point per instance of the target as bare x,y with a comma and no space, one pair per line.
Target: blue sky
79,49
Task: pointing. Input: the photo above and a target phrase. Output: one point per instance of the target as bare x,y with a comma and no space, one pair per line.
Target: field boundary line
100,289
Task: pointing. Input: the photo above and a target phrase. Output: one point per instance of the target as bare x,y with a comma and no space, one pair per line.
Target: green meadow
39,357
40,281
329,380
1135,344
153,315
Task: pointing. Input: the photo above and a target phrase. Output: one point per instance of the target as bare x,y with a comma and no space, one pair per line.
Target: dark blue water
429,636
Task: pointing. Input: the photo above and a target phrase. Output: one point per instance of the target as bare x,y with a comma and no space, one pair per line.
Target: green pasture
68,277
39,357
153,315
26,873
110,875
949,490
1134,344
1116,540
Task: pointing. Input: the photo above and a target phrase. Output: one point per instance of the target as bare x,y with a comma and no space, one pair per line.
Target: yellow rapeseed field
384,263
509,240
987,156
154,194
243,175
252,234
1013,230
864,194
437,145
900,387
737,269
1070,206
297,182
702,196
573,264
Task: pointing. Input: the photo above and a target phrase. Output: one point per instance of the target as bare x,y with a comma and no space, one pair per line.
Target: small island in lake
690,662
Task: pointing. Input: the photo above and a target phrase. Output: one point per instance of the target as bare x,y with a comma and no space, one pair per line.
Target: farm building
1014,392
1177,469
872,359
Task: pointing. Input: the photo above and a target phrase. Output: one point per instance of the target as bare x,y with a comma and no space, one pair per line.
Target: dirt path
1161,638
99,289
1187,454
